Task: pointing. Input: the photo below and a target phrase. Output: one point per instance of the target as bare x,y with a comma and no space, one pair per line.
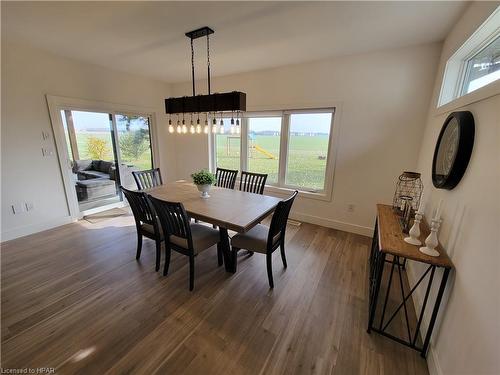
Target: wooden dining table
229,209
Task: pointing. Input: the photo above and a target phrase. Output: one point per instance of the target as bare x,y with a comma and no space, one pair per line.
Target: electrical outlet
350,207
29,206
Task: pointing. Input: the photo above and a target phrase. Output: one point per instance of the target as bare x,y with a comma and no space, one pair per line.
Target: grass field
306,158
143,162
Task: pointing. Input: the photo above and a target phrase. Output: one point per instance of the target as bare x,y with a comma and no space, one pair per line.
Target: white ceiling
147,38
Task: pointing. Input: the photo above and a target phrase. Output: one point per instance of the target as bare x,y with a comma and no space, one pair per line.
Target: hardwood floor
74,298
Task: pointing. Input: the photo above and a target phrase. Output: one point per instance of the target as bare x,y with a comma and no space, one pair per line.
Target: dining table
228,209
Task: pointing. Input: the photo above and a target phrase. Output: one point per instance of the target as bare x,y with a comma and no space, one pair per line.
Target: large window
308,140
291,147
264,135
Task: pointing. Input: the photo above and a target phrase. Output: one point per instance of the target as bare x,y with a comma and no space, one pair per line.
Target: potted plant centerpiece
203,180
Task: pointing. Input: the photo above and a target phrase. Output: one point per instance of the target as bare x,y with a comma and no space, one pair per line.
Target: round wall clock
453,150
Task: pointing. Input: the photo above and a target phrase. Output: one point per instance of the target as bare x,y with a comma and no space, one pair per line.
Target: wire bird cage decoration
408,192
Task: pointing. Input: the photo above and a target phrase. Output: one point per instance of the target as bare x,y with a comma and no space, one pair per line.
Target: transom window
475,64
292,147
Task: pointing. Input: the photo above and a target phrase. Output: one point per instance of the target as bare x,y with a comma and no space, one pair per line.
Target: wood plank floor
74,298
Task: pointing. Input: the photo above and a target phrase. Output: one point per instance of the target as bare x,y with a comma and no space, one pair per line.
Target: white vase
204,189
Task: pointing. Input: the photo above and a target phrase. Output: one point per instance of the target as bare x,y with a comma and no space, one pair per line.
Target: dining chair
181,235
253,182
147,179
226,178
146,222
265,240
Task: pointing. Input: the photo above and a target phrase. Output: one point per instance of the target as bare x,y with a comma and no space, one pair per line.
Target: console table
388,246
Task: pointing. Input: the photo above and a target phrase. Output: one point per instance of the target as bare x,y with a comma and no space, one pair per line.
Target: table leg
435,312
226,250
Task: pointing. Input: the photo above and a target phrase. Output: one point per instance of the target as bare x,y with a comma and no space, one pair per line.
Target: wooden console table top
391,239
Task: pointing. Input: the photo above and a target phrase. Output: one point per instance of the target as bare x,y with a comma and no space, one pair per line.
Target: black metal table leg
379,269
439,297
226,250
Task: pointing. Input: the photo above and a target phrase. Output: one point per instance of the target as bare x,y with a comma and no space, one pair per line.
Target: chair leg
220,260
249,253
139,245
191,272
158,255
269,260
283,257
168,251
234,254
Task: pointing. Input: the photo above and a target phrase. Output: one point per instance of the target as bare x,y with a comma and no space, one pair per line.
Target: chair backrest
253,182
147,179
173,218
140,207
280,217
226,178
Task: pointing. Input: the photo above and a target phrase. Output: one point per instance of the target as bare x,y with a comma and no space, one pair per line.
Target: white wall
28,74
383,97
467,339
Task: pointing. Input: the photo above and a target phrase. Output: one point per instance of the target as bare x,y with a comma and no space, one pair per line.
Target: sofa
97,178
94,179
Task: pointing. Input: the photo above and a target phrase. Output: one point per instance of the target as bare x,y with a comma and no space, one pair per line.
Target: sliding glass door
134,146
104,149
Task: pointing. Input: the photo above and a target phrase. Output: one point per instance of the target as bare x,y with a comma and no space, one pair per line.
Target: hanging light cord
208,61
192,65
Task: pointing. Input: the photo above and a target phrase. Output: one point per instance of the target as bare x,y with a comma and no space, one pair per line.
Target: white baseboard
335,224
34,228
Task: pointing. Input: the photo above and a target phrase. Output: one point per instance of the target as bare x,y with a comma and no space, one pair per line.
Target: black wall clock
453,150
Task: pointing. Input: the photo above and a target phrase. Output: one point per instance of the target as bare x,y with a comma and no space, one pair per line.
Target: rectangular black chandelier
220,102
234,101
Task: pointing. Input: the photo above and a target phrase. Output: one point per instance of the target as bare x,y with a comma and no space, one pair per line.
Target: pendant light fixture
208,105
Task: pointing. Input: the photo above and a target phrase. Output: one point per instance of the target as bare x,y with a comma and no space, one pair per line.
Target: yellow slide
262,151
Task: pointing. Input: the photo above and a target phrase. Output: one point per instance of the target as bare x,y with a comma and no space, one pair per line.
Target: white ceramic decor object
204,189
415,231
432,240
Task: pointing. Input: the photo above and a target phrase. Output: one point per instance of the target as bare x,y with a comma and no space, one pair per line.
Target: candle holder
432,240
415,230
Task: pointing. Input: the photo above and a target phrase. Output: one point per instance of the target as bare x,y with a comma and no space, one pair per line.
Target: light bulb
214,128
184,129
221,122
179,130
170,128
191,129
222,129
198,128
237,130
205,129
232,129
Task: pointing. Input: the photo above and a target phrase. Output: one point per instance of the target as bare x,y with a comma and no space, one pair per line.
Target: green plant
98,148
133,145
203,177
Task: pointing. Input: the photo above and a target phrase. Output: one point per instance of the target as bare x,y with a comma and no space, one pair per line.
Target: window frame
280,187
456,68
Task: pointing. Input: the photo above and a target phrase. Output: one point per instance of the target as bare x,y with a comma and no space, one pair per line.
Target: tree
98,148
133,144
128,120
